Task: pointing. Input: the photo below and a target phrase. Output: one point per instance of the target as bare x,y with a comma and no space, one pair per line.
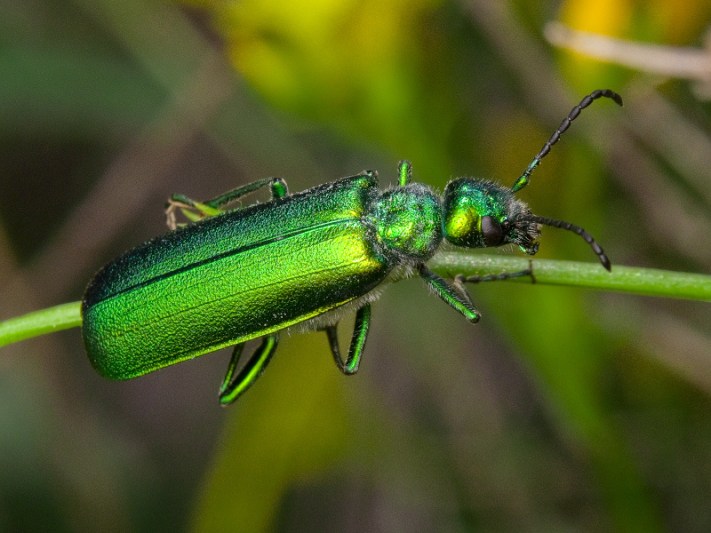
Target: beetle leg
360,334
454,296
233,387
404,172
278,188
460,279
194,211
190,209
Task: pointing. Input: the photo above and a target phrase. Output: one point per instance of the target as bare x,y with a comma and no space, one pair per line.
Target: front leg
455,295
460,279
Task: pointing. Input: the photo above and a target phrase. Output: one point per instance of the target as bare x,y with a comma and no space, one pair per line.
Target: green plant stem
644,281
41,322
632,280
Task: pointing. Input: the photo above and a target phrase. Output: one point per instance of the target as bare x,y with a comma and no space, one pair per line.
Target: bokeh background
563,410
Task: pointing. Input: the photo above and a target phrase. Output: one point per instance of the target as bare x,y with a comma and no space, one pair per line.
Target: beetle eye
492,231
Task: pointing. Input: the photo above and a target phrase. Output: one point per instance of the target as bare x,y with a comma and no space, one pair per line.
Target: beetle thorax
407,222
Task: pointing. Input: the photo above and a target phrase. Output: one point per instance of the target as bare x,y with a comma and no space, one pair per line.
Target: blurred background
562,410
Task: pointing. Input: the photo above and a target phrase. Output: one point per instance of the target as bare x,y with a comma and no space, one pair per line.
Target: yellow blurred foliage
316,55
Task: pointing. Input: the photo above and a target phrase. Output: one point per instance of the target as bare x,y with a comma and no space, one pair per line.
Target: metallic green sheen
234,277
238,275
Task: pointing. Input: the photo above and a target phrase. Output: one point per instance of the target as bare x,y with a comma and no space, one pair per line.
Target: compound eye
492,231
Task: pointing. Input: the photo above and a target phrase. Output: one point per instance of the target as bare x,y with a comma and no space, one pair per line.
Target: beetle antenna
579,231
523,180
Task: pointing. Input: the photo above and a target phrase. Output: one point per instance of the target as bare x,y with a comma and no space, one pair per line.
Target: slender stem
643,281
41,322
679,62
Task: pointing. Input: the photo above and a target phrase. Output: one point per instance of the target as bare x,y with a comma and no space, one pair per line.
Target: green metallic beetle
302,259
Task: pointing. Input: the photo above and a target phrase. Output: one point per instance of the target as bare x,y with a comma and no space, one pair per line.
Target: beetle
299,259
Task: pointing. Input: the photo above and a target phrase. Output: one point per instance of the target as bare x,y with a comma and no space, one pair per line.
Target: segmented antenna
578,230
523,180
